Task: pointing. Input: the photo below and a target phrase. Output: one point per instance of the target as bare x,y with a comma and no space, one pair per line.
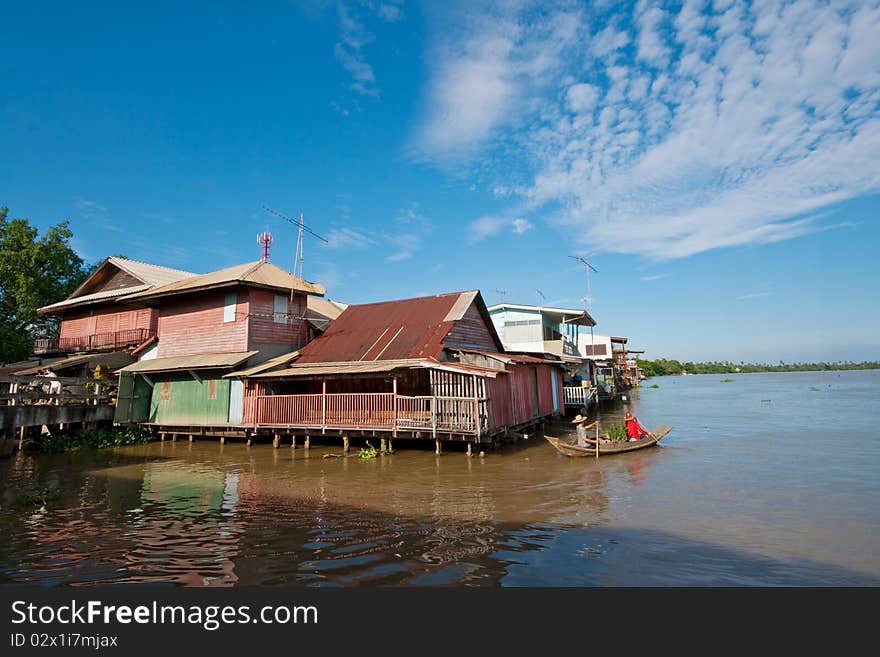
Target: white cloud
354,36
655,277
347,238
754,295
724,125
520,226
582,97
481,228
390,12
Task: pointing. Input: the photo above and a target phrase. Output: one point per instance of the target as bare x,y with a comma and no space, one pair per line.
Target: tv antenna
588,300
543,298
301,228
503,293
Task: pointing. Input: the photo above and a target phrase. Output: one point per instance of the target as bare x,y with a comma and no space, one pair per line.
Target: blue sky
719,161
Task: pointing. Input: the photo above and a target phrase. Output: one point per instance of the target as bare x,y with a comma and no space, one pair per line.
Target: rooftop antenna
543,298
301,228
502,293
588,300
265,240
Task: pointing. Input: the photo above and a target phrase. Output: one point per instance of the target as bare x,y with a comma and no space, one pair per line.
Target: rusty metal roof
277,361
194,362
259,274
389,330
375,367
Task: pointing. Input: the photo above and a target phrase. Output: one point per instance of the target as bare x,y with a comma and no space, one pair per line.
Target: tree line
666,366
35,270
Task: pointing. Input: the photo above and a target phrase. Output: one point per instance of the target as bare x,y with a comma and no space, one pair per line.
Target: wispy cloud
349,51
486,226
754,295
348,238
694,127
655,277
96,214
412,227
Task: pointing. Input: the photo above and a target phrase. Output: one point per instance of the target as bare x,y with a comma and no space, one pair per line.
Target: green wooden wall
180,399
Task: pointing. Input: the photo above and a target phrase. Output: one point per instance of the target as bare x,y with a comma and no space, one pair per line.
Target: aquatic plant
89,439
654,386
39,496
617,432
814,388
368,452
726,380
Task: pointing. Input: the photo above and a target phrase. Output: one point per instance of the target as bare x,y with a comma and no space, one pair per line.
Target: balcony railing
96,342
384,411
579,395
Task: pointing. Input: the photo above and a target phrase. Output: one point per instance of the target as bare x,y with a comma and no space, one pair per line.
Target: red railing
99,341
370,410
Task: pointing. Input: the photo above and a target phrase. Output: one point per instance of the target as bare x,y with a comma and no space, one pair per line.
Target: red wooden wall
193,324
107,319
471,332
264,330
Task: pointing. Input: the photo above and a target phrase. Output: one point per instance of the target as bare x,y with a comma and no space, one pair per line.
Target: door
553,382
236,401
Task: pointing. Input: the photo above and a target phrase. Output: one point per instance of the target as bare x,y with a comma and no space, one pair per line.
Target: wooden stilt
470,450
22,433
173,437
437,448
293,441
382,444
190,437
249,441
162,436
276,441
390,448
222,440
344,443
307,443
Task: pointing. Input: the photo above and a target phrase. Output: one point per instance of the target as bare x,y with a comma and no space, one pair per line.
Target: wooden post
162,436
344,442
470,452
293,441
382,444
222,440
190,437
323,405
307,443
173,437
249,439
394,402
276,440
437,448
390,448
22,434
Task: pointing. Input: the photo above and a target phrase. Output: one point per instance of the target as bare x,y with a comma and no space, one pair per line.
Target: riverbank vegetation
88,439
665,366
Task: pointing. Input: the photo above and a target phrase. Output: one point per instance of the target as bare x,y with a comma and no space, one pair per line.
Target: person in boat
583,438
634,430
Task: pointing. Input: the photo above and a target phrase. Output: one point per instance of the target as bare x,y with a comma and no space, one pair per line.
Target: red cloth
635,430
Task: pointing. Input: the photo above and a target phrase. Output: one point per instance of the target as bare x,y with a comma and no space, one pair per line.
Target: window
229,307
281,309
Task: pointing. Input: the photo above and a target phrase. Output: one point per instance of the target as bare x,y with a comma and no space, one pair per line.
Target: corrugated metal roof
260,273
96,296
111,360
373,367
505,357
283,359
389,330
153,275
323,308
195,362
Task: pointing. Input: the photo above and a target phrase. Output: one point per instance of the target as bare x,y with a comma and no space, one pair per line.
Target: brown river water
771,479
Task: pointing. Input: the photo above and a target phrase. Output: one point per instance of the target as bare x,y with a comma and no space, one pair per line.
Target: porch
579,396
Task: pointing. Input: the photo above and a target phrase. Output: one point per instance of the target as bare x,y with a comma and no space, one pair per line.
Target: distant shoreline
668,367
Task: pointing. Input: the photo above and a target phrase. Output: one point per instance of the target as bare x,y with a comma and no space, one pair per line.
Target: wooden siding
193,324
471,332
264,331
107,319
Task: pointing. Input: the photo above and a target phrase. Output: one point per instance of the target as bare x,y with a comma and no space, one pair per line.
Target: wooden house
429,367
206,325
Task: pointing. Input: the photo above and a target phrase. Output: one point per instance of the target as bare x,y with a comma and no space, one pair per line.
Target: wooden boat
571,449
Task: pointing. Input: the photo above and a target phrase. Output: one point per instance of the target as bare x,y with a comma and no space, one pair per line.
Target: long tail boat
613,447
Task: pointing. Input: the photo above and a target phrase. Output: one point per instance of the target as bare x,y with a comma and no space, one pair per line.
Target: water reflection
695,511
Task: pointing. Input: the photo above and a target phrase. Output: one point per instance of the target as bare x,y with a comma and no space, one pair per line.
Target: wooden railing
96,342
55,391
579,395
373,411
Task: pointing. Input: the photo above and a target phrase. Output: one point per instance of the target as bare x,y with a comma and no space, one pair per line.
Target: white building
540,330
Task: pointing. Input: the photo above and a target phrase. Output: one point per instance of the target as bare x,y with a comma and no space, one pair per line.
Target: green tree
34,271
